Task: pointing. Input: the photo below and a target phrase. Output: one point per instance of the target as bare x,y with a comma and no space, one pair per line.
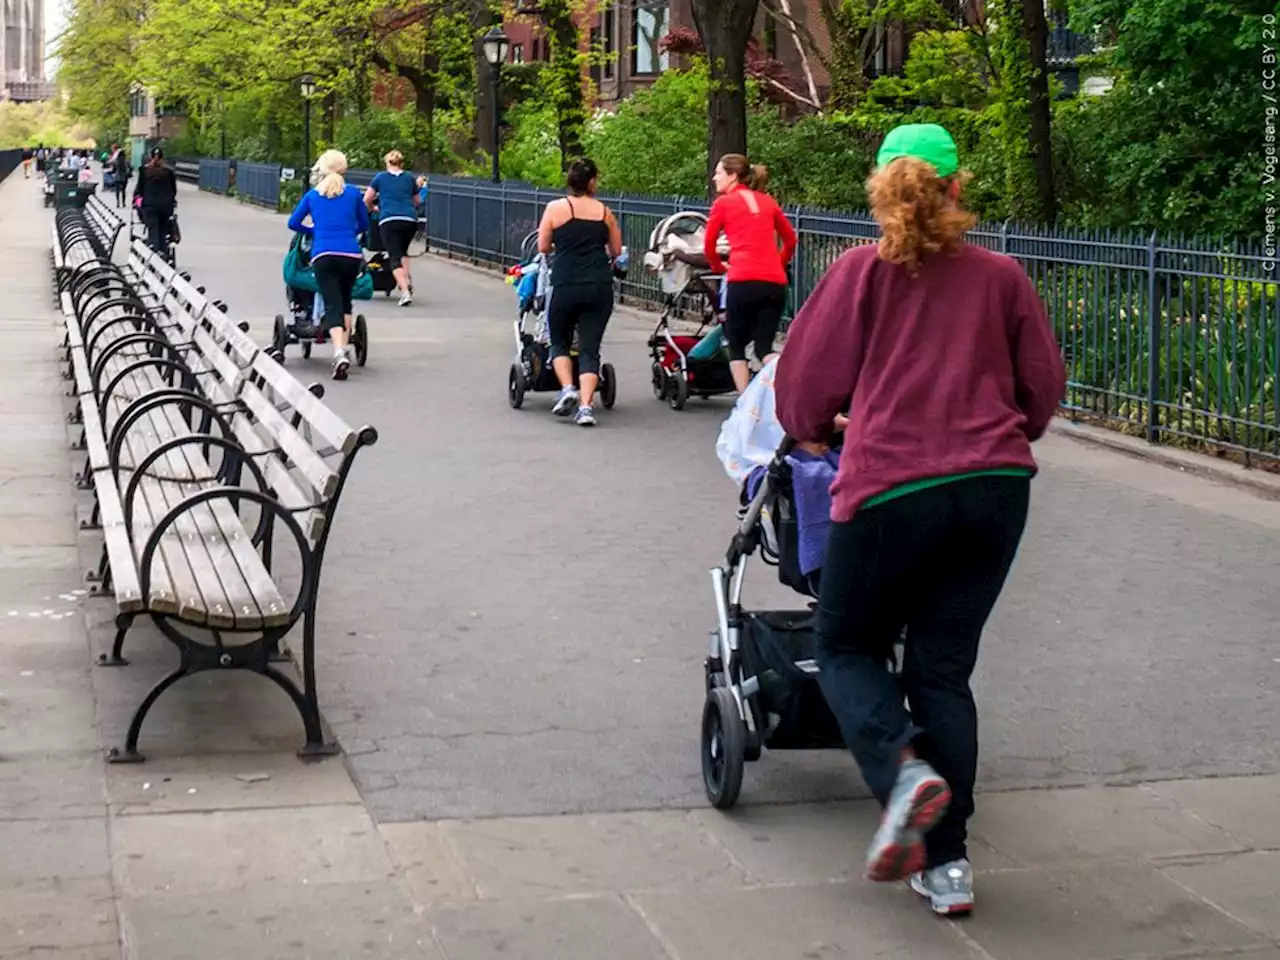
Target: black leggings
396,237
585,307
157,220
934,562
336,276
753,312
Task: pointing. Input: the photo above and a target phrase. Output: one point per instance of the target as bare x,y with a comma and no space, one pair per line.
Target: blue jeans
932,562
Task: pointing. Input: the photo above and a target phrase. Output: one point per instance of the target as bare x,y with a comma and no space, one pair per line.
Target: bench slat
317,473
314,413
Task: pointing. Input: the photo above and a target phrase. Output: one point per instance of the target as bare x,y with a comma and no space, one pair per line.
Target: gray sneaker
919,799
949,888
566,403
585,417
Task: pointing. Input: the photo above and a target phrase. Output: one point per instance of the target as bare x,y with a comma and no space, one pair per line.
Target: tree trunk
330,121
1037,29
481,19
424,94
725,27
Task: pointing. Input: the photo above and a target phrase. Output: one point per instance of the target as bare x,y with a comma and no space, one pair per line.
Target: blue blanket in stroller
811,479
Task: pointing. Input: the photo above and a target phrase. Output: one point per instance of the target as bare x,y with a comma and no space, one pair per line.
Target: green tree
97,53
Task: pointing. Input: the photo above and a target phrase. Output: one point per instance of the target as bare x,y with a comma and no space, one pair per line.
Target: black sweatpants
752,314
934,562
336,277
585,307
156,220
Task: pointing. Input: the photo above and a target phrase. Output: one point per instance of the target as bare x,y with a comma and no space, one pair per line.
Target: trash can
72,193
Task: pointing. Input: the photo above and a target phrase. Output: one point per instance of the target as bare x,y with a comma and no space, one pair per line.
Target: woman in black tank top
586,240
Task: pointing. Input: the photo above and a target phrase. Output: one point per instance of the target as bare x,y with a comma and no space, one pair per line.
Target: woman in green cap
946,362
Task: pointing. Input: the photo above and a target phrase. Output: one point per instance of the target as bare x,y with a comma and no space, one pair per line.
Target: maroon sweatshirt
953,371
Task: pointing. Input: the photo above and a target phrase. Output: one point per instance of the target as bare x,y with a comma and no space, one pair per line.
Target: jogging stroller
531,371
761,677
303,325
378,262
686,363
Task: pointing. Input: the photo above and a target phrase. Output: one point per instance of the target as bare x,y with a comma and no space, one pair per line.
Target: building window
517,53
610,44
650,22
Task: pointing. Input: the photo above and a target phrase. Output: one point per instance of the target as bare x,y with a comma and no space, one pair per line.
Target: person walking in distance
756,291
585,237
338,217
943,354
156,194
118,164
393,192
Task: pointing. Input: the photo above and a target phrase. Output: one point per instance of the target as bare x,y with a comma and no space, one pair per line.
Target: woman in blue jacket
338,218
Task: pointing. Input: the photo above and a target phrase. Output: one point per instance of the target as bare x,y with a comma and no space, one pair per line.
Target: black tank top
580,254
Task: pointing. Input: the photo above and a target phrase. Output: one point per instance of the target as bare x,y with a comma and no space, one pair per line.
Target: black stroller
303,325
761,677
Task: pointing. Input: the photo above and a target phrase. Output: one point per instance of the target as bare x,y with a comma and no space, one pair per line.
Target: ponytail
331,185
753,177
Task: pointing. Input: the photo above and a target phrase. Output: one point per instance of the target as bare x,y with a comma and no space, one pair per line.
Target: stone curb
1255,481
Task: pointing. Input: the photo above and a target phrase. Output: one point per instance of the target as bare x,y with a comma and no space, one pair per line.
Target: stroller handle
784,448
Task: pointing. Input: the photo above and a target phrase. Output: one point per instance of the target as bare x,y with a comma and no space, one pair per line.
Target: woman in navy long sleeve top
338,219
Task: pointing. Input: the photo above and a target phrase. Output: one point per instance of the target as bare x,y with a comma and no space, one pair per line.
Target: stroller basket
791,709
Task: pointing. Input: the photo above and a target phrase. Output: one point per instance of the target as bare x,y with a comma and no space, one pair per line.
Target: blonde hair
395,159
751,176
332,165
915,210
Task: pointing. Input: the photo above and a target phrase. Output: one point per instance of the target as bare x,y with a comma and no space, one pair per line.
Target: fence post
502,236
1004,237
797,271
1153,344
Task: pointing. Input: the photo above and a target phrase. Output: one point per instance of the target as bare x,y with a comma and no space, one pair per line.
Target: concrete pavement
513,625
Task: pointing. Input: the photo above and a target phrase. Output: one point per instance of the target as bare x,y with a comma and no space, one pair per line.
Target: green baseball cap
924,141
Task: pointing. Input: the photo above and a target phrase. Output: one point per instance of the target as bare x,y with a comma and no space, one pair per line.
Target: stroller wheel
608,385
659,381
678,391
360,340
723,748
306,348
515,386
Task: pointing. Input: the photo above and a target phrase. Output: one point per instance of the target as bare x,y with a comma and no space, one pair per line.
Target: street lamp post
495,45
308,88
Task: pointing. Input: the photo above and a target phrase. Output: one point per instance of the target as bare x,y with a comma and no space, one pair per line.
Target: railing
259,183
215,175
9,162
1173,341
187,169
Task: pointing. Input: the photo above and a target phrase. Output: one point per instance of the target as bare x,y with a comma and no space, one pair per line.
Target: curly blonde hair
917,215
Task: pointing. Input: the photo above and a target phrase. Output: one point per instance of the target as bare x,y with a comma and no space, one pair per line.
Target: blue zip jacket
337,222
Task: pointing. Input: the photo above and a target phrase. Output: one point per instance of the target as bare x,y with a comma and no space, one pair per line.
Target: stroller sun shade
676,249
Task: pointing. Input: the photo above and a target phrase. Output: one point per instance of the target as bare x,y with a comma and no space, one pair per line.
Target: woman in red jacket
753,223
947,364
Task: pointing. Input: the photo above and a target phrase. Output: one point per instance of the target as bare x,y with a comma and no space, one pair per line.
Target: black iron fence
1172,340
9,162
259,183
215,175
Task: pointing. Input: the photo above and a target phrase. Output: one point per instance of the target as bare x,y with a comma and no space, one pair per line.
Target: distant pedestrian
27,156
942,354
156,195
42,159
393,193
116,173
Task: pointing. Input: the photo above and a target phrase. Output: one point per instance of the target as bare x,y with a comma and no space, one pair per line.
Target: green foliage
32,124
656,142
532,153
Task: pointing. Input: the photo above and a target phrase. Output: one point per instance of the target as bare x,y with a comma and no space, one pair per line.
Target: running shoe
585,417
919,799
406,298
340,366
948,888
566,402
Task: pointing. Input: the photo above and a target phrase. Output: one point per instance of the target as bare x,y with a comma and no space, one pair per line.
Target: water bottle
622,261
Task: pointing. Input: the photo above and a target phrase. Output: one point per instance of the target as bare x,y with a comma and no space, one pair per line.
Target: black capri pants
336,277
585,307
753,313
396,237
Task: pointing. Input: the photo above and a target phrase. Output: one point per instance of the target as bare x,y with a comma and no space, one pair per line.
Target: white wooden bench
202,452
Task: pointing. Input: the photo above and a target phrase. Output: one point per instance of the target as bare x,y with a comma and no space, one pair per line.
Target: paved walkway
513,623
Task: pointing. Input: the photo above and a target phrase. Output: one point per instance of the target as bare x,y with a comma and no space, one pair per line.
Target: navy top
337,222
396,194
